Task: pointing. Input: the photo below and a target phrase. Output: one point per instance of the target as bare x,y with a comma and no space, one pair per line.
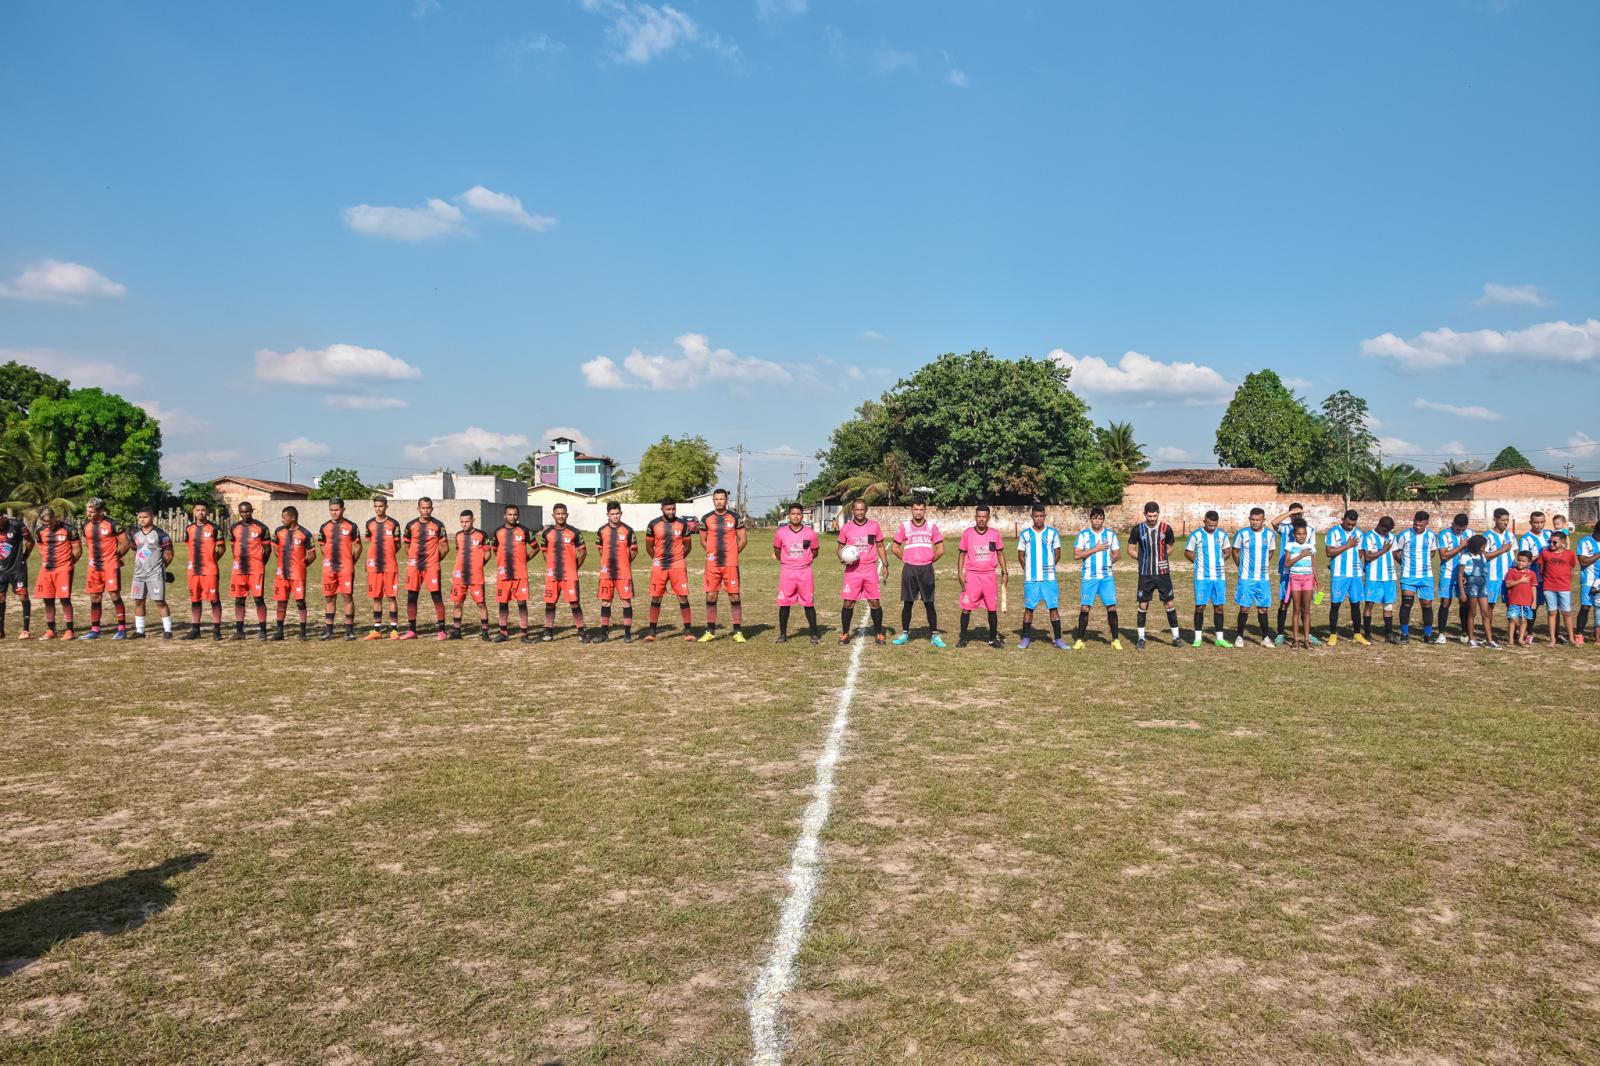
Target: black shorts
1158,583
916,583
14,580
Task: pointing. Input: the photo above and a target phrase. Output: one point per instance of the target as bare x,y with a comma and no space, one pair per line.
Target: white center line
805,874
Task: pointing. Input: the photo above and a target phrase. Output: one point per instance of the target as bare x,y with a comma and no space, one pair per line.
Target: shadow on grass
115,905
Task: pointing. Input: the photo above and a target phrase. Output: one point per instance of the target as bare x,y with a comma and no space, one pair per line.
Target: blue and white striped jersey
1534,543
1255,552
1039,552
1381,568
1591,573
1418,549
1349,563
1500,565
1285,536
1449,539
1210,554
1097,565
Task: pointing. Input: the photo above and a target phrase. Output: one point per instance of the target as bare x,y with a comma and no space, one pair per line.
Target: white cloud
957,78
771,9
886,60
1371,421
342,401
578,437
532,44
836,44
176,466
1137,378
503,205
82,373
304,447
1580,446
423,8
173,420
694,364
638,33
470,443
1562,342
331,365
436,218
873,335
1481,414
1169,453
1294,384
1392,445
1452,447
56,281
1497,295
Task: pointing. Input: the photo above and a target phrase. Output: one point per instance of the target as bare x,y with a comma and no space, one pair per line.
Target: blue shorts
1102,588
1283,586
1380,592
1040,594
1421,586
1558,601
1518,612
1587,598
1211,592
1449,585
1497,591
1476,590
1256,592
1349,589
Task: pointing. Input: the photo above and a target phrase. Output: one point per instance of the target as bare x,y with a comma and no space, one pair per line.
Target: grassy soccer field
416,852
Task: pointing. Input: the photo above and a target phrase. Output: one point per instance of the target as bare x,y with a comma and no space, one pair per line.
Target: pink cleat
409,634
442,635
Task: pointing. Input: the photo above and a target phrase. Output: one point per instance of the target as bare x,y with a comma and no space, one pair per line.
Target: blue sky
395,235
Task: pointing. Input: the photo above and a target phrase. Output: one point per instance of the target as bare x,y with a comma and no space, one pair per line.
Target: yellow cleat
1361,640
1077,645
1333,641
1117,644
707,637
738,637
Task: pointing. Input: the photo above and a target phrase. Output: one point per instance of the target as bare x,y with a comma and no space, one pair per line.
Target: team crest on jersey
5,551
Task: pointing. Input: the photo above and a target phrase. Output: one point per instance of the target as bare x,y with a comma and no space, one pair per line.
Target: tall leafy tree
1452,467
20,385
1118,449
341,482
193,492
1266,426
1347,442
674,468
113,444
856,446
32,477
1389,482
885,483
480,465
1509,459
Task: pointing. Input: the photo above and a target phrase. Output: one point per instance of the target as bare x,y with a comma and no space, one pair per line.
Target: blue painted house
567,468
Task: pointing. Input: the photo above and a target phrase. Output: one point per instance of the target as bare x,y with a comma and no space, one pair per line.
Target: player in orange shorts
59,552
427,544
563,550
669,539
340,542
252,547
292,542
203,543
472,553
512,545
723,535
383,568
617,547
104,545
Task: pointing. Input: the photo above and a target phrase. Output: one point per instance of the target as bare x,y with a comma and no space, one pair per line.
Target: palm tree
886,484
1120,451
528,469
1452,467
33,478
480,465
1380,482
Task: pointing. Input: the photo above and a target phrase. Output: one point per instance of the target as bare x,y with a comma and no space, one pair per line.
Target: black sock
877,621
994,626
905,617
1199,620
1283,612
1405,614
1216,616
1366,625
1388,625
1465,616
783,621
1141,616
1172,621
1427,617
1243,624
966,619
1055,627
933,617
844,619
1111,620
811,619
1027,629
1578,626
1261,618
1333,619
1083,625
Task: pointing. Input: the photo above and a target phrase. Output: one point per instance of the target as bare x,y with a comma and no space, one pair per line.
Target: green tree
1452,467
886,483
341,482
1389,482
1266,426
115,445
1347,443
481,465
32,478
674,469
857,445
20,385
1119,450
193,492
1510,459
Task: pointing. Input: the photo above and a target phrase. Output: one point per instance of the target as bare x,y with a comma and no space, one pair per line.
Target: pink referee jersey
982,549
794,549
866,536
917,541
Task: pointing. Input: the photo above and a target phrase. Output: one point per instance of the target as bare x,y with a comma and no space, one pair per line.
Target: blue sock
1405,630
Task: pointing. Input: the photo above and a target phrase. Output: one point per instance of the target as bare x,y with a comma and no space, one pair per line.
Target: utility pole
290,457
739,487
1568,469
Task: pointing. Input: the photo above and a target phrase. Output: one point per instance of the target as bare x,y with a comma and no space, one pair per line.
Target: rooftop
1478,477
287,488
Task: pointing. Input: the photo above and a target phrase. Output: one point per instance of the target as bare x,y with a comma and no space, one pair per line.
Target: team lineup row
1367,569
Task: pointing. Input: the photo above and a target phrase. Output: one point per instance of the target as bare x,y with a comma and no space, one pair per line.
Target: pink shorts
982,590
1302,582
862,585
796,587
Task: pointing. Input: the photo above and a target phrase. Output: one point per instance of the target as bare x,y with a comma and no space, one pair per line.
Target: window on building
587,468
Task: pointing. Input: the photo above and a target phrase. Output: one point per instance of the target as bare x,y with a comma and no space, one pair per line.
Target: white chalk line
805,874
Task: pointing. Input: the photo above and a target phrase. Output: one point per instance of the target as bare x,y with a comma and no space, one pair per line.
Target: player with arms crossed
16,544
1096,548
152,554
918,544
668,541
467,579
1150,542
1414,550
512,545
291,543
1345,569
981,558
103,544
1452,548
723,536
616,546
563,549
252,545
340,542
795,545
1377,553
427,547
864,555
383,569
1253,549
1038,553
1208,549
203,541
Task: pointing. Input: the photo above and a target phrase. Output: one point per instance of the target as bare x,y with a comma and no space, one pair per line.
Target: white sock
138,623
1141,632
1174,632
166,624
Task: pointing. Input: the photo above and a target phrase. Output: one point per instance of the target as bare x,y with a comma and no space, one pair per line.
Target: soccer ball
850,553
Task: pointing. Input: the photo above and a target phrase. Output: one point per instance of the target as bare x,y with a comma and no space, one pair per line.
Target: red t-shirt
1520,585
1557,568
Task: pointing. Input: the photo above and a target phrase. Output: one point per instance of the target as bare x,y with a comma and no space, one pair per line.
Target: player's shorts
981,590
1046,594
1558,601
14,580
285,589
54,584
1348,590
1476,590
916,582
1496,591
1103,589
722,577
1302,582
616,588
338,583
102,581
1518,612
461,590
246,584
1380,592
862,585
202,588
556,591
1421,587
419,580
507,590
1283,585
1588,597
796,586
1448,584
1214,591
148,588
1161,584
1253,592
661,578
383,584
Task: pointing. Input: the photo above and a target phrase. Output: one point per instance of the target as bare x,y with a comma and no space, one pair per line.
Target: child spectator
1521,583
1556,563
1472,574
1300,560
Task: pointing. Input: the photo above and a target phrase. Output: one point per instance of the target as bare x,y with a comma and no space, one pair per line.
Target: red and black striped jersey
383,545
669,540
291,545
560,545
55,546
472,551
251,542
338,541
424,539
101,541
720,532
201,540
511,546
615,544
